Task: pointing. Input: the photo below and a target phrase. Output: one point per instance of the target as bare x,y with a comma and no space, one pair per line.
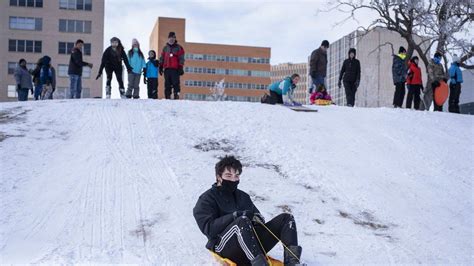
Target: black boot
176,96
260,260
289,259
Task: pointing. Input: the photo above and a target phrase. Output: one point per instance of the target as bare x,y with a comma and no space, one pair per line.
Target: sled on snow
228,262
322,102
300,108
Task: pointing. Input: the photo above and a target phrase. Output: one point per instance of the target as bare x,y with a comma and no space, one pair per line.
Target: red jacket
414,74
172,56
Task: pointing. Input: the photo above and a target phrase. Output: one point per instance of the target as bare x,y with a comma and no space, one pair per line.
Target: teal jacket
283,87
136,62
455,74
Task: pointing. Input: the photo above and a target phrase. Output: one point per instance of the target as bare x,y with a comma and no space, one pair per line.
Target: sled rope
259,242
291,252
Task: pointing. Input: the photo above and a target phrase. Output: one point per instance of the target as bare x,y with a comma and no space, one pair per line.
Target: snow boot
108,91
289,258
122,93
176,96
260,260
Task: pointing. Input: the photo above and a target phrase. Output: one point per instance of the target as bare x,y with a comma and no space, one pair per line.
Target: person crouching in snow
320,94
233,225
150,75
282,91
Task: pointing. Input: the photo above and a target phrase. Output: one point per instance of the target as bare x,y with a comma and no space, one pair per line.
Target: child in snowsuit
47,79
150,75
320,94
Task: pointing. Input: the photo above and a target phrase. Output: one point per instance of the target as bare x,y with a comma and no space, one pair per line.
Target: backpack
46,75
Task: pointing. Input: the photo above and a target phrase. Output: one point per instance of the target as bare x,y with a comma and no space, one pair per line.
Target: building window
66,48
62,71
27,3
13,65
76,4
23,23
230,72
78,26
27,46
86,72
223,58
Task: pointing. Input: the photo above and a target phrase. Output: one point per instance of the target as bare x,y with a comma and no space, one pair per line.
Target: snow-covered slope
112,181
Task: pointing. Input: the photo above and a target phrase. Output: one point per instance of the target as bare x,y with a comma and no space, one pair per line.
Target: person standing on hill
414,83
318,65
399,73
171,64
350,75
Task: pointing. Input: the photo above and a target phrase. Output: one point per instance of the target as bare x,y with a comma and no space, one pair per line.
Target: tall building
376,87
245,69
31,29
466,100
284,70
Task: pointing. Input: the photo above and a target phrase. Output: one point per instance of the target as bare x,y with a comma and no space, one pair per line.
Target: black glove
313,74
18,87
445,80
246,213
54,89
98,76
181,71
161,71
144,80
339,84
258,218
357,83
31,90
435,84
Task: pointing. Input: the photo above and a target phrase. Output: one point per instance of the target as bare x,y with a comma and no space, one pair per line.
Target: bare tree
426,25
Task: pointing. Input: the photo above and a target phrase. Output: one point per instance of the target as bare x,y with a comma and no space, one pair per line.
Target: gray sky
292,29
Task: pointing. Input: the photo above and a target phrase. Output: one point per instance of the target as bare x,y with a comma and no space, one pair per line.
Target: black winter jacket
214,211
350,71
76,63
113,60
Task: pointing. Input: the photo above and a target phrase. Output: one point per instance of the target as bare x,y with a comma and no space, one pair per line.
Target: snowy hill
113,181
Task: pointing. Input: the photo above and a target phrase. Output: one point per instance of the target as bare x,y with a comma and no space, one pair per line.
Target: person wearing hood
318,65
455,81
76,65
150,75
436,74
414,83
399,72
171,65
47,78
112,62
24,83
233,225
137,62
282,91
350,75
36,79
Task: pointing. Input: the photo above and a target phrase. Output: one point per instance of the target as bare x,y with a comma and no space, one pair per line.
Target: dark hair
321,87
21,60
228,162
438,54
402,50
414,58
294,76
120,46
325,43
79,41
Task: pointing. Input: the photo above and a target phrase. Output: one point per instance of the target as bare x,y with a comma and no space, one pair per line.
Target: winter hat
115,39
325,43
352,50
154,53
135,42
402,50
414,58
171,34
438,54
456,58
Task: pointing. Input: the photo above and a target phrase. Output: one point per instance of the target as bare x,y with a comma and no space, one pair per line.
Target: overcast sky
292,28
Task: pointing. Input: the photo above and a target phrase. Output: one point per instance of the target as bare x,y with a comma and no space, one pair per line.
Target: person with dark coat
171,64
47,78
414,83
350,75
233,225
318,64
36,79
24,83
75,70
150,75
455,81
112,62
399,72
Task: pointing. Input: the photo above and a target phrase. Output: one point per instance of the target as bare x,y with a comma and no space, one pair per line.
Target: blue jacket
151,69
455,74
136,62
283,87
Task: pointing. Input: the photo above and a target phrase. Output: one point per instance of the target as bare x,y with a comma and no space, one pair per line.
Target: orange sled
441,93
227,262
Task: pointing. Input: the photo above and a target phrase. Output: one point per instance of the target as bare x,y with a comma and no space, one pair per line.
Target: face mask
402,56
437,60
229,186
135,49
